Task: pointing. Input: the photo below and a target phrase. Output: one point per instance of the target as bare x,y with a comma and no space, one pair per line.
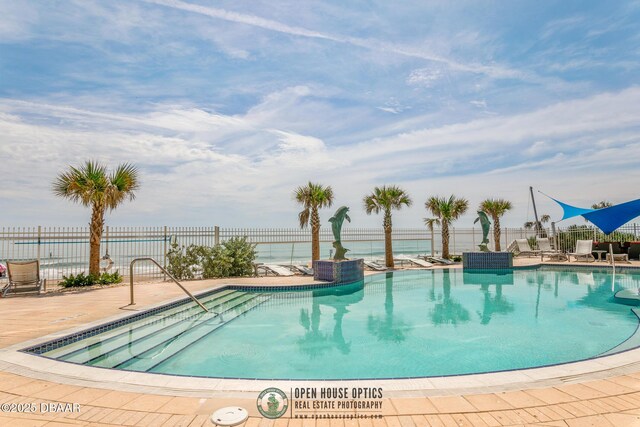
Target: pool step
89,348
129,348
154,357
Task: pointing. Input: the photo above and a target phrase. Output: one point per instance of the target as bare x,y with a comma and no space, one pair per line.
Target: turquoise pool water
394,325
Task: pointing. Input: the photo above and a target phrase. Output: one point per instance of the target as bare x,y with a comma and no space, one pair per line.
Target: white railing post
39,241
433,244
454,240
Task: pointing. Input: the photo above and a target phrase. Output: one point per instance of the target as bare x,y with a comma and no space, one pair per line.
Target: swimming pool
395,325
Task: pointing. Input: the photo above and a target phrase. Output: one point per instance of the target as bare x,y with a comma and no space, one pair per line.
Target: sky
226,107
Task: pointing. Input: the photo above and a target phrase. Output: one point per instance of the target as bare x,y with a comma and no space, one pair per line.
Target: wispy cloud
495,71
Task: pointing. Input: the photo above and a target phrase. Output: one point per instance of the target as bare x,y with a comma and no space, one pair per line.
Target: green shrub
242,255
82,279
232,258
109,278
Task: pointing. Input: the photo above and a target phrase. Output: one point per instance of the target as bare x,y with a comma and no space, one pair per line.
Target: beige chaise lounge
545,247
523,248
24,276
583,250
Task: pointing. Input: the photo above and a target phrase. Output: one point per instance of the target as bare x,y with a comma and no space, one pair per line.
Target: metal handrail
133,261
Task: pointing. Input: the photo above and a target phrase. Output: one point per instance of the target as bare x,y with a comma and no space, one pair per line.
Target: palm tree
91,186
385,199
532,224
445,211
313,197
496,208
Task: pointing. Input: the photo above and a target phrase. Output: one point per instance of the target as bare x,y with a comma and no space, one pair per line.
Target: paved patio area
609,398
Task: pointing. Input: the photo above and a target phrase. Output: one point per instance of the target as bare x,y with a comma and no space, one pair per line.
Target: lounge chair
583,250
371,265
302,269
24,276
522,248
416,261
545,247
276,270
438,260
618,257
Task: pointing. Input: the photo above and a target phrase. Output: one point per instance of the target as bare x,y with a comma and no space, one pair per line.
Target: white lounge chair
302,269
416,261
276,270
24,276
545,247
523,248
371,265
583,250
438,260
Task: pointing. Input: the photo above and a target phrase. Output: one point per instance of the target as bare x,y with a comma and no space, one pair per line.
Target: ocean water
72,257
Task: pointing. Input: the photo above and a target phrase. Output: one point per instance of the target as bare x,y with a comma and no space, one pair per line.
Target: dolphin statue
485,224
336,221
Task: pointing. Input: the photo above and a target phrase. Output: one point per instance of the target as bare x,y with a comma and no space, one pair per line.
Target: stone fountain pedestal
339,272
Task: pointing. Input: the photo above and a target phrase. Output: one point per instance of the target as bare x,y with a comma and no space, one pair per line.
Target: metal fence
65,250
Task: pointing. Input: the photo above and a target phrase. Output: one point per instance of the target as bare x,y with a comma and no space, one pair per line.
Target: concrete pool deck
600,392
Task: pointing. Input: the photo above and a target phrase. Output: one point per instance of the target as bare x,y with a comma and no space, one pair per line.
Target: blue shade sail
610,219
607,219
570,211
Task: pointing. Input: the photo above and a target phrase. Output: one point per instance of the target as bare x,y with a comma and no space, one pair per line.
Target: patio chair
618,257
545,247
24,276
371,265
523,248
583,250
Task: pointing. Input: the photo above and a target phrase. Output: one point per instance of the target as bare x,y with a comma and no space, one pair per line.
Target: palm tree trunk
95,234
445,239
496,232
315,234
388,249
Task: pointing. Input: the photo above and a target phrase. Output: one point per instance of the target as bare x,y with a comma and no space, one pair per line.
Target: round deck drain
229,416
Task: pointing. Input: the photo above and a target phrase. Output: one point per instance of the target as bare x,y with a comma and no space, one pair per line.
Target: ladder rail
135,260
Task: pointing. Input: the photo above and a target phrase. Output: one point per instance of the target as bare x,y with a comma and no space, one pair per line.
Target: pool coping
14,359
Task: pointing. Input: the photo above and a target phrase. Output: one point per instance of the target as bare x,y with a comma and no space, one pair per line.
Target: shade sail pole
535,212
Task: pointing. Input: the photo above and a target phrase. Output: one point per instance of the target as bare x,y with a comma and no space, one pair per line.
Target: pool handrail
133,261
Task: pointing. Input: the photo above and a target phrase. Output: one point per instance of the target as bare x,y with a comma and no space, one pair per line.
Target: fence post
473,237
164,253
433,244
454,240
216,235
39,237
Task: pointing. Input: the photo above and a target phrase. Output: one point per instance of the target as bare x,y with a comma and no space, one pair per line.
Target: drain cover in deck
229,416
